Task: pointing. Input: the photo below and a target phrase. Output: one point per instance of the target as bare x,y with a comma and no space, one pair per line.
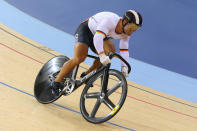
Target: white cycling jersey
103,25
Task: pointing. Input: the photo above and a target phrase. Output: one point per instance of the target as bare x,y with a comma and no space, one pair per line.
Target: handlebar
111,55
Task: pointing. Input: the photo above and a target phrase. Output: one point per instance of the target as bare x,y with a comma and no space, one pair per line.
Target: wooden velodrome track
21,59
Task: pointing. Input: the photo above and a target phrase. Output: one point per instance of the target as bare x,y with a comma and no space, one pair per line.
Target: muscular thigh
80,51
109,46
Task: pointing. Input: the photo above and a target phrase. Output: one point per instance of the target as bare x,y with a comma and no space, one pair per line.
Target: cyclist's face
130,28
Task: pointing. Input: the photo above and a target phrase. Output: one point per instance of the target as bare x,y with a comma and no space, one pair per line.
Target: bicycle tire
42,91
116,109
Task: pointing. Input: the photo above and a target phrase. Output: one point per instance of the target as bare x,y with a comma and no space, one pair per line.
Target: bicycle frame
104,68
74,74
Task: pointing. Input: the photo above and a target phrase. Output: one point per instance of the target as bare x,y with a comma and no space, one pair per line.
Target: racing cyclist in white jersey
96,33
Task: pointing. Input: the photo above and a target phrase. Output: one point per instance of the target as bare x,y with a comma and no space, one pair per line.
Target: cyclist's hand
124,71
104,59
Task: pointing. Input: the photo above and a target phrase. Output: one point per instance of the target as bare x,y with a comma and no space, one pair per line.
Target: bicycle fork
104,82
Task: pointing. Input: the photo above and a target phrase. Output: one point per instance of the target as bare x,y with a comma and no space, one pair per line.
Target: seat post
74,74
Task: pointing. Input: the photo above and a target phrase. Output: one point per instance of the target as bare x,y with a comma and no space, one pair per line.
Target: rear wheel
48,73
96,107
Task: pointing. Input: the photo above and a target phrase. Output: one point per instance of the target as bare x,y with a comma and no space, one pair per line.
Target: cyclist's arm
101,32
124,49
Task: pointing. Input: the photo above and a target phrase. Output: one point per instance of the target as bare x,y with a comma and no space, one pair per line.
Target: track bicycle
104,93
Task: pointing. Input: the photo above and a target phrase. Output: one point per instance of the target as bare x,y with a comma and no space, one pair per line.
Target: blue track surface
142,73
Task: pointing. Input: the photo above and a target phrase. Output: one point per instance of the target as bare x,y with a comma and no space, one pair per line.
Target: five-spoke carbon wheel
97,107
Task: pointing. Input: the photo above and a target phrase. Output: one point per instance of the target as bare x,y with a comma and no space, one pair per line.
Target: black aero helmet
133,16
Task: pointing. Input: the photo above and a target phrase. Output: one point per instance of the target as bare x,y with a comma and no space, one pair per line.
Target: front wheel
97,107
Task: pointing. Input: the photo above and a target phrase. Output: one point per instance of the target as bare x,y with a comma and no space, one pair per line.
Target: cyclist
95,33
